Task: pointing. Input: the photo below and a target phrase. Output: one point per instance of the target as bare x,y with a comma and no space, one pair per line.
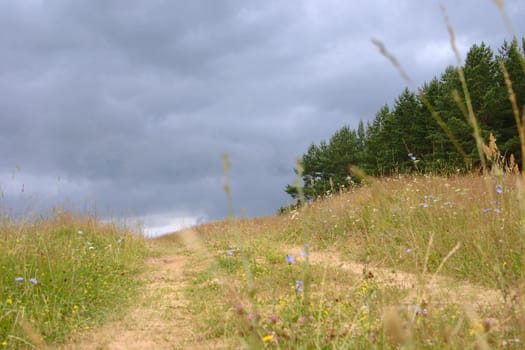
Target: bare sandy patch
437,289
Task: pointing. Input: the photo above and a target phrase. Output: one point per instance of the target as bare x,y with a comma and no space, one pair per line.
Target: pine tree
512,57
377,157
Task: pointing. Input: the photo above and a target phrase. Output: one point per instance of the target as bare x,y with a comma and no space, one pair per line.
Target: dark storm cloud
131,103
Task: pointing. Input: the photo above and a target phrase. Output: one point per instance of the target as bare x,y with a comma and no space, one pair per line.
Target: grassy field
406,262
409,262
61,275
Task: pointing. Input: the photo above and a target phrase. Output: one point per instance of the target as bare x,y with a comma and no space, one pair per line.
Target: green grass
338,292
402,214
62,275
407,224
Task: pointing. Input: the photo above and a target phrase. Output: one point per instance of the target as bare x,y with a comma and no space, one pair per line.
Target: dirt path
160,320
436,289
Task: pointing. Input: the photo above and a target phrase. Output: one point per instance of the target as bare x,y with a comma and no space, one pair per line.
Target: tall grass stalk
469,114
305,234
232,219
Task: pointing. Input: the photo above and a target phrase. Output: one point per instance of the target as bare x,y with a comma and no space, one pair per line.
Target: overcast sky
128,105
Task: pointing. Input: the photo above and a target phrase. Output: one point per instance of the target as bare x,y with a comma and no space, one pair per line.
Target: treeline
407,137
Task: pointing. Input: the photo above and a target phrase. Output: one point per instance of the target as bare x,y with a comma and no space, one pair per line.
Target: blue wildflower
499,189
299,285
19,279
497,211
409,250
425,205
302,253
33,280
229,253
420,311
290,259
486,210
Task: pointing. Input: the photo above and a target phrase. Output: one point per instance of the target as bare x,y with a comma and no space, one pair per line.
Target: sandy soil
428,288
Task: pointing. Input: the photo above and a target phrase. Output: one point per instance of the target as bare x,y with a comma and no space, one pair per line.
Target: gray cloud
131,103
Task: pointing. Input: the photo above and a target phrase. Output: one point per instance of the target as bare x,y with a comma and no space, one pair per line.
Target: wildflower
290,259
9,301
239,309
410,154
501,241
499,189
413,158
364,287
33,280
497,211
267,338
425,205
229,253
274,318
5,343
419,311
303,253
299,285
252,316
409,250
119,241
486,210
80,232
447,203
19,279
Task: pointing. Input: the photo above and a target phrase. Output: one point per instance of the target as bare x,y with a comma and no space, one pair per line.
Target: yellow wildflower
267,338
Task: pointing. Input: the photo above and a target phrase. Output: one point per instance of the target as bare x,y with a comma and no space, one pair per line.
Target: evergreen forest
407,137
